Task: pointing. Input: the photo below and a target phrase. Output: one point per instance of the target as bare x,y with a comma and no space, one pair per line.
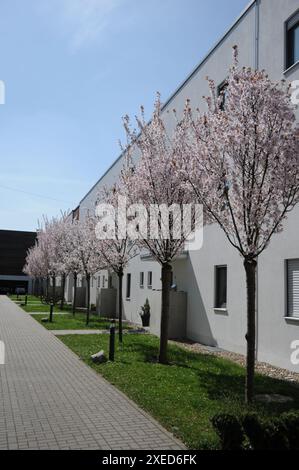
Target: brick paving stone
50,399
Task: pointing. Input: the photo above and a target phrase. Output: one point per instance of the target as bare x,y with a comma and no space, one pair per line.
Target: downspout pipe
256,66
256,34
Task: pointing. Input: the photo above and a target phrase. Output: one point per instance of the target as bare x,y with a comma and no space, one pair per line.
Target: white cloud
84,21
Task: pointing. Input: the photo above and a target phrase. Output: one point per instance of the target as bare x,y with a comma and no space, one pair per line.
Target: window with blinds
293,287
292,40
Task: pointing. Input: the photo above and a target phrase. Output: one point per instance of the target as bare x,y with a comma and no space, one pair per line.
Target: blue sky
72,69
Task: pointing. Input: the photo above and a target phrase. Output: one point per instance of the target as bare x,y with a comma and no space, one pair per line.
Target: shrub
265,433
145,313
276,433
230,431
291,424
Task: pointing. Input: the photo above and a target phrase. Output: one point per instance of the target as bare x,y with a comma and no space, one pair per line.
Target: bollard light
51,312
112,341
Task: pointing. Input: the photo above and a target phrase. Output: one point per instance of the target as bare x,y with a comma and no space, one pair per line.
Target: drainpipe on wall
256,66
256,312
256,34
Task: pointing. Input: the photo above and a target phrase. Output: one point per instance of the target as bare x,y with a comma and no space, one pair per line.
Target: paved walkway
50,399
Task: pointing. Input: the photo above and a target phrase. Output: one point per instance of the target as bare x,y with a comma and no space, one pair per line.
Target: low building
13,250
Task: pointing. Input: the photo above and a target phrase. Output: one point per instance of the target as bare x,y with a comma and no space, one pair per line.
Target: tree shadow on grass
220,379
148,351
229,390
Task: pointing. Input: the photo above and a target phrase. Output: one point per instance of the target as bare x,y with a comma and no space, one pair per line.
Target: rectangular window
149,279
293,288
142,279
221,91
220,286
292,40
128,289
99,281
103,281
110,281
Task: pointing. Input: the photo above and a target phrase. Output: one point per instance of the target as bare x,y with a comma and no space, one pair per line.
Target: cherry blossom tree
44,244
241,160
86,250
46,258
58,231
71,260
116,250
157,198
35,266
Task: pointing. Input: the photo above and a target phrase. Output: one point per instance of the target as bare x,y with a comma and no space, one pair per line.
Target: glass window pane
296,44
128,293
292,52
221,286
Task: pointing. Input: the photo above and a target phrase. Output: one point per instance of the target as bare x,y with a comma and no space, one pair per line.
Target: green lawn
30,298
34,304
68,322
184,395
39,307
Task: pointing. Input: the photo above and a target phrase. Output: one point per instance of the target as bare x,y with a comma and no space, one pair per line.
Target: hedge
251,431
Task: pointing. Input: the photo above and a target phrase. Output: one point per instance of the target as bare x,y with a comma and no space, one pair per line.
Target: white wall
195,275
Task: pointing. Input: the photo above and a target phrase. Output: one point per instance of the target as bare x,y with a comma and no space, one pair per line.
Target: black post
54,289
120,305
75,293
112,342
88,298
25,299
63,289
51,312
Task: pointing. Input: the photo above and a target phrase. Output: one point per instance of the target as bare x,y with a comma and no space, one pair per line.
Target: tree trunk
47,286
120,306
51,312
250,268
88,298
75,294
54,289
42,286
166,283
62,293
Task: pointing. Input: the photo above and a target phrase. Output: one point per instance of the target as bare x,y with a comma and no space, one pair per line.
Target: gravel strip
261,367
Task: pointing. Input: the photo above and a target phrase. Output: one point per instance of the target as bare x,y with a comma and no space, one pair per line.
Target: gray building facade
212,278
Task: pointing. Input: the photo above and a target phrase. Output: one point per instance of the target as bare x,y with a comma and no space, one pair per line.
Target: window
293,288
221,91
220,286
103,281
99,281
292,40
142,279
149,279
128,290
110,282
